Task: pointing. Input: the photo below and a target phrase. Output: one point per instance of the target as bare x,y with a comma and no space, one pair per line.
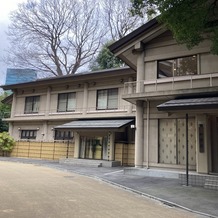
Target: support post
187,173
139,137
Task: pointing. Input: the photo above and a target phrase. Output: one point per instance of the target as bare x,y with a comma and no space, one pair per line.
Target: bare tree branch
118,18
54,36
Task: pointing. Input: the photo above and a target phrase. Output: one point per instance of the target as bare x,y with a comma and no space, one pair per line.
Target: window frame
63,135
107,106
34,100
174,59
28,134
67,102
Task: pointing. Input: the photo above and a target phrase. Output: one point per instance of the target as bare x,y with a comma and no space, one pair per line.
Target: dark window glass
177,67
28,134
63,135
107,99
66,102
32,104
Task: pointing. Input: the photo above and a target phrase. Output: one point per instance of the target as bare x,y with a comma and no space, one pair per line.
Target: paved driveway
29,191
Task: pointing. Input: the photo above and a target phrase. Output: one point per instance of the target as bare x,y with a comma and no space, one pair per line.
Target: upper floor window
66,102
32,104
107,99
177,67
28,134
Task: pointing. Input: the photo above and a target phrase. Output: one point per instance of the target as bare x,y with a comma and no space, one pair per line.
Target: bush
6,142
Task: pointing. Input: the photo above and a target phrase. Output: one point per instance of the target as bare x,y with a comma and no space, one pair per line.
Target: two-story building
86,108
170,90
176,98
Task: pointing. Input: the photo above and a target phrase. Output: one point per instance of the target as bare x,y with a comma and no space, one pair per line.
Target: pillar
139,138
85,98
140,67
10,131
111,136
139,134
14,103
130,91
48,101
203,135
45,131
76,145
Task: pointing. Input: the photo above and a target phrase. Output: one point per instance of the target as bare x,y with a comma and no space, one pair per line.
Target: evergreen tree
106,59
190,21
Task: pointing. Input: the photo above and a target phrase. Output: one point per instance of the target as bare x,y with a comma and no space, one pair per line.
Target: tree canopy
105,59
190,21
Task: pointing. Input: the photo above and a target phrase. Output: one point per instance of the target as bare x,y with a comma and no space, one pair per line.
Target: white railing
172,83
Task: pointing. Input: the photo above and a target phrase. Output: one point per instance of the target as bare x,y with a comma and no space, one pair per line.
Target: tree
4,110
118,18
190,21
106,59
54,36
118,22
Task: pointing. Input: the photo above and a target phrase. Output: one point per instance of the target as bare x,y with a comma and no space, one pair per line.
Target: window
28,134
107,99
66,102
32,105
177,67
63,135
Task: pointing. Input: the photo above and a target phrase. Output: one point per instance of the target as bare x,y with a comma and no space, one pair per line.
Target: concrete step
151,172
211,183
89,163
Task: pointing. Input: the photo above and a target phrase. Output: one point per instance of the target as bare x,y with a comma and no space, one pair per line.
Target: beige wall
165,47
44,122
208,63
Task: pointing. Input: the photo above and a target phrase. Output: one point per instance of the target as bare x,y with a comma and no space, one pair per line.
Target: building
169,91
85,108
176,98
17,75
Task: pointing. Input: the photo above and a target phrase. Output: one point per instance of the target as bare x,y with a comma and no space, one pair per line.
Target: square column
139,139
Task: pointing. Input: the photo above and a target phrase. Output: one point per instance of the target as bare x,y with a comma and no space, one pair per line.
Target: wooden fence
125,153
43,150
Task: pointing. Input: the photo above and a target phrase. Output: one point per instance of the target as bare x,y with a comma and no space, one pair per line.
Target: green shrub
6,142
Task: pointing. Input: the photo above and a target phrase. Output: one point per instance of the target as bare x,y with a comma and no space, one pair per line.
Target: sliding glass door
93,148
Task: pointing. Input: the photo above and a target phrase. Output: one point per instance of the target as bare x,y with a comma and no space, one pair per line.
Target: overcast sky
5,9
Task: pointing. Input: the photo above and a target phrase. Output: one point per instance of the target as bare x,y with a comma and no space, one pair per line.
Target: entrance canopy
95,124
190,103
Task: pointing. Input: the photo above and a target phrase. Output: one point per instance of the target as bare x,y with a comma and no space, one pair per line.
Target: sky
5,9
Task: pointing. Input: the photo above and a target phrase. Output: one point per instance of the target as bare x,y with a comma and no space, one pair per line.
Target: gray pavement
195,199
33,191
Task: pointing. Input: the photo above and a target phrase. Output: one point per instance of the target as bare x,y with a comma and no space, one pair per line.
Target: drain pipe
147,132
187,152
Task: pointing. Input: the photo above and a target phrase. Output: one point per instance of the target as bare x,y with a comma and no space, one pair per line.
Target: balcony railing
172,83
76,112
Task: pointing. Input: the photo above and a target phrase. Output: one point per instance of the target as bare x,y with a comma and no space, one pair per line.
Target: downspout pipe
187,152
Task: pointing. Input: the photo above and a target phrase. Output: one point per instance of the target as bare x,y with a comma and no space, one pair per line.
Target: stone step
89,163
151,172
211,183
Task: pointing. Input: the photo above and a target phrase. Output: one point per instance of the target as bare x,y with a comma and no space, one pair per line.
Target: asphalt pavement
195,199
